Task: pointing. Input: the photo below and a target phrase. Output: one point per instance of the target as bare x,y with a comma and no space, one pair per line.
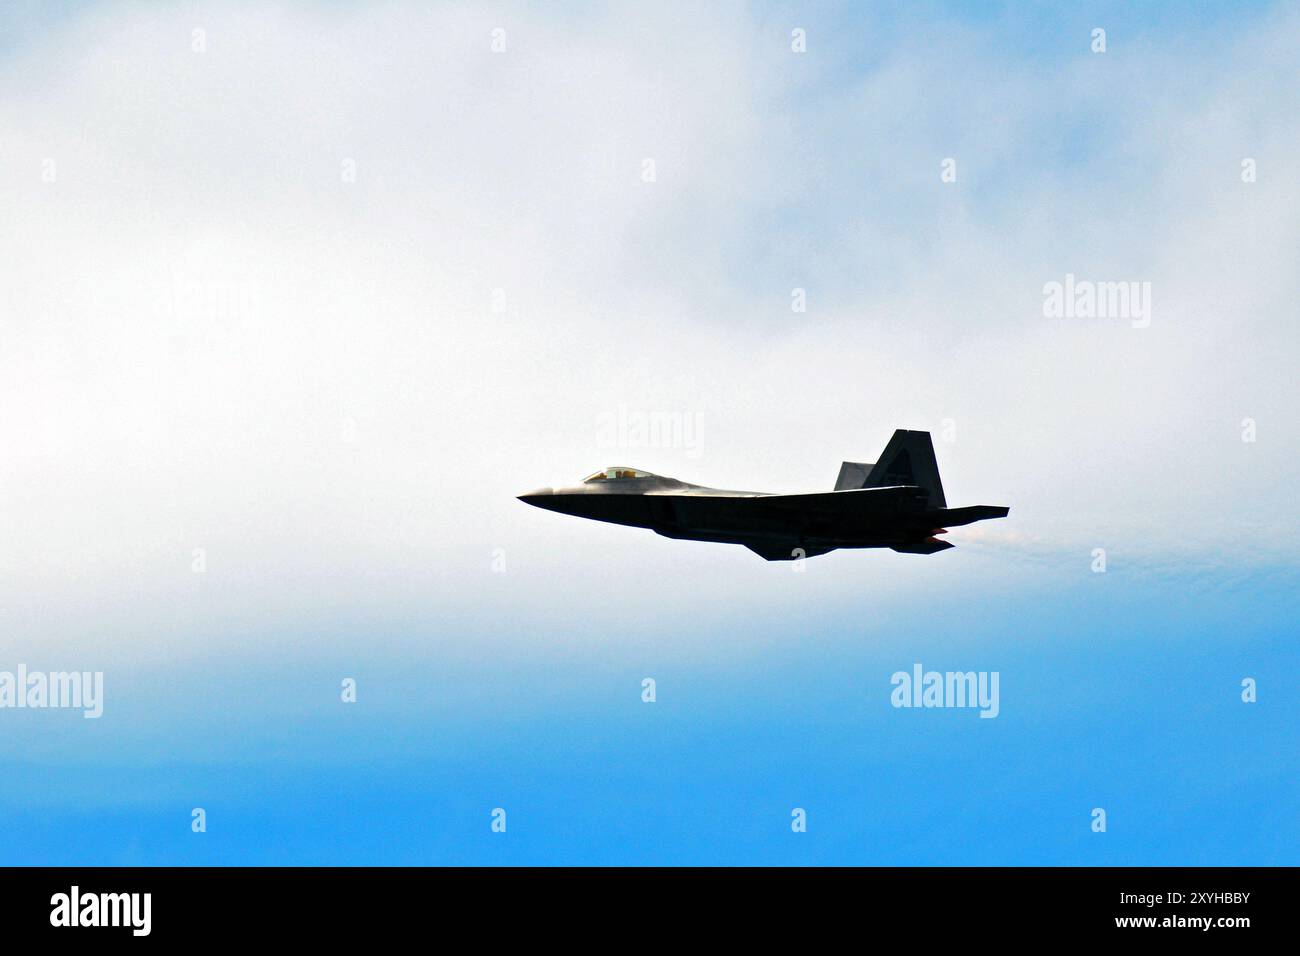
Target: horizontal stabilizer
929,546
969,515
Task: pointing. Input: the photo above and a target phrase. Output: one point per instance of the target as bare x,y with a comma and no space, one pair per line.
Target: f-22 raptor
896,502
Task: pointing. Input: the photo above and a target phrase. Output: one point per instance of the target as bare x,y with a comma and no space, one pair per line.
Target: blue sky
1118,695
305,308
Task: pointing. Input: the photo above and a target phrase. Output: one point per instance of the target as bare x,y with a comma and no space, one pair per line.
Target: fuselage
776,526
896,502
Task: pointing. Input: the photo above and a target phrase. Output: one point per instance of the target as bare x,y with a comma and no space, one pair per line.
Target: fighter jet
896,502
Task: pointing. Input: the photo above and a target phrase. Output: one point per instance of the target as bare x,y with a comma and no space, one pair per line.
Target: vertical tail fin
853,474
908,459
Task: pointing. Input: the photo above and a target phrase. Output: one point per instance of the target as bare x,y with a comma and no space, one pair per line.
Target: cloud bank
317,291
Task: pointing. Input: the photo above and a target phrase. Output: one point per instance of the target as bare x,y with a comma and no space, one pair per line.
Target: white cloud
211,340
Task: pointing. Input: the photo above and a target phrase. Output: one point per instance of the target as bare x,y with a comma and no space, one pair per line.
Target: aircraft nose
531,497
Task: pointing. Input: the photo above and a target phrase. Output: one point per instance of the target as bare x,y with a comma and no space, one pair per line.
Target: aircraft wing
908,499
838,502
785,551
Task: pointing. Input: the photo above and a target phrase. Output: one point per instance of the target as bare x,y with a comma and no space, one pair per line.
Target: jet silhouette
897,503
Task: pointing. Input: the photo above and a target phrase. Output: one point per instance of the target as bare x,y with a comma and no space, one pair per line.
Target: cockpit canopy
615,473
